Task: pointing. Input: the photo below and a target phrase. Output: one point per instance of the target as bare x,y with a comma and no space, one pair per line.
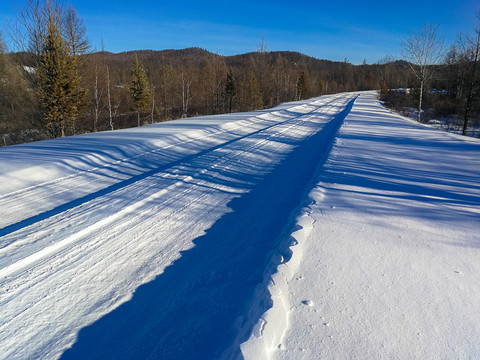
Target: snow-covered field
229,236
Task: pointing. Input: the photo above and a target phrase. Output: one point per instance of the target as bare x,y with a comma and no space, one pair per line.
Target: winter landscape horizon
291,181
328,228
333,31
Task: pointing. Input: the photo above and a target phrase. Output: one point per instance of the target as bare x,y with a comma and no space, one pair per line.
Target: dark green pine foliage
140,89
58,83
302,86
230,90
254,97
384,90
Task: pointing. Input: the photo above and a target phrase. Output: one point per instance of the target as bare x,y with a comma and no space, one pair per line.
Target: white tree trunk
186,95
109,99
420,101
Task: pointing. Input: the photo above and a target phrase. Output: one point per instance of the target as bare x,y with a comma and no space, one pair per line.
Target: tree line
446,80
56,87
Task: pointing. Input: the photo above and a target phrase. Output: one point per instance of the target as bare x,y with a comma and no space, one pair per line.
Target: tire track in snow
76,202
226,128
225,159
45,252
104,170
204,313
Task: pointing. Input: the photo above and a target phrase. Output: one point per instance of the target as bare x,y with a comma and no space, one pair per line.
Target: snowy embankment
387,257
154,242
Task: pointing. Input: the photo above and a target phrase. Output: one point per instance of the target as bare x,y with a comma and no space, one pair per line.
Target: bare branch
422,50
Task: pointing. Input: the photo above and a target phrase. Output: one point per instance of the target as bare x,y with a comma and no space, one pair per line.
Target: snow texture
153,242
385,260
327,228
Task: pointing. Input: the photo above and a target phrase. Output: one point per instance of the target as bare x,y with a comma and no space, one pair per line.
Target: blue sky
334,30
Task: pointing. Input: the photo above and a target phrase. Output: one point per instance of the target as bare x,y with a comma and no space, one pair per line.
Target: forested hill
183,83
325,76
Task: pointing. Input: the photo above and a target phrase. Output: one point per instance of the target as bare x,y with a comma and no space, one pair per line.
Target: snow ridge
273,323
269,332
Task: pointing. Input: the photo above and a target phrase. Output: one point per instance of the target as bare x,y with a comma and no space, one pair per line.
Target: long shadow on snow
114,187
193,310
428,171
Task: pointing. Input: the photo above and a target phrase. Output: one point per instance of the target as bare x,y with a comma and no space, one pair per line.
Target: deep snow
161,241
153,242
386,264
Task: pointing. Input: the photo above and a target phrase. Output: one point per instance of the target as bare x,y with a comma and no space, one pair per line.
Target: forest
98,91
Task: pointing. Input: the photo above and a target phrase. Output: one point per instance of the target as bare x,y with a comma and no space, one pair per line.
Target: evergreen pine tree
384,91
58,82
254,97
230,90
140,89
302,86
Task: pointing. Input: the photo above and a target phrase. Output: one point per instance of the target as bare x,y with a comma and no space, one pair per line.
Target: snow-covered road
234,236
387,257
154,242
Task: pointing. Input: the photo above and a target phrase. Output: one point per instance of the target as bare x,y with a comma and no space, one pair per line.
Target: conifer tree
302,86
58,82
230,90
140,89
384,90
254,97
74,32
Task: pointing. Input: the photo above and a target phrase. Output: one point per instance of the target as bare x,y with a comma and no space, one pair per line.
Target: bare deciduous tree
423,49
470,56
97,97
74,32
186,94
29,31
109,98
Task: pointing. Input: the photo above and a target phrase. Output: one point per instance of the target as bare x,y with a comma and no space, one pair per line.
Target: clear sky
333,30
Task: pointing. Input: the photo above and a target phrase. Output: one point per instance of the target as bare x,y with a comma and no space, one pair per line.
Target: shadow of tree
197,306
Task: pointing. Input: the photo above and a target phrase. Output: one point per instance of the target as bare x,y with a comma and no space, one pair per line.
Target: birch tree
109,99
185,94
97,97
423,50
